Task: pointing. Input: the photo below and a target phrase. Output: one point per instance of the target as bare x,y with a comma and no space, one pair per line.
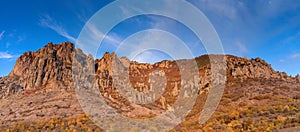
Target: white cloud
2,34
149,57
138,47
128,10
281,60
5,55
90,37
241,47
225,8
295,56
7,44
96,34
21,38
291,38
47,21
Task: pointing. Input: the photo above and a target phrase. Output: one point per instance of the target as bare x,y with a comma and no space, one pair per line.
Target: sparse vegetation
78,123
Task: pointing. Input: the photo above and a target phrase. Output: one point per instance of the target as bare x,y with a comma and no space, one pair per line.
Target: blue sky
252,28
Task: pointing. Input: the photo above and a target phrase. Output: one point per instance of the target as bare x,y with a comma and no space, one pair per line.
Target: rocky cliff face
298,78
51,66
52,63
244,68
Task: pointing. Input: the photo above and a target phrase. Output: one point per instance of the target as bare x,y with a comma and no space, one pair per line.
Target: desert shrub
262,97
282,88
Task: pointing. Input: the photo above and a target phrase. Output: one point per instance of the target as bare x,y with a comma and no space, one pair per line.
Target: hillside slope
39,95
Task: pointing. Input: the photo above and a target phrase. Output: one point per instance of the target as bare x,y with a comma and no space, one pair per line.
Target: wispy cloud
247,20
90,37
290,58
5,55
241,47
151,56
95,33
140,45
291,38
223,8
7,44
281,60
2,34
295,56
49,22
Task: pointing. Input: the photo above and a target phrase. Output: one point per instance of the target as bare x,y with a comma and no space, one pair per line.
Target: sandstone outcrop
51,66
298,78
244,68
